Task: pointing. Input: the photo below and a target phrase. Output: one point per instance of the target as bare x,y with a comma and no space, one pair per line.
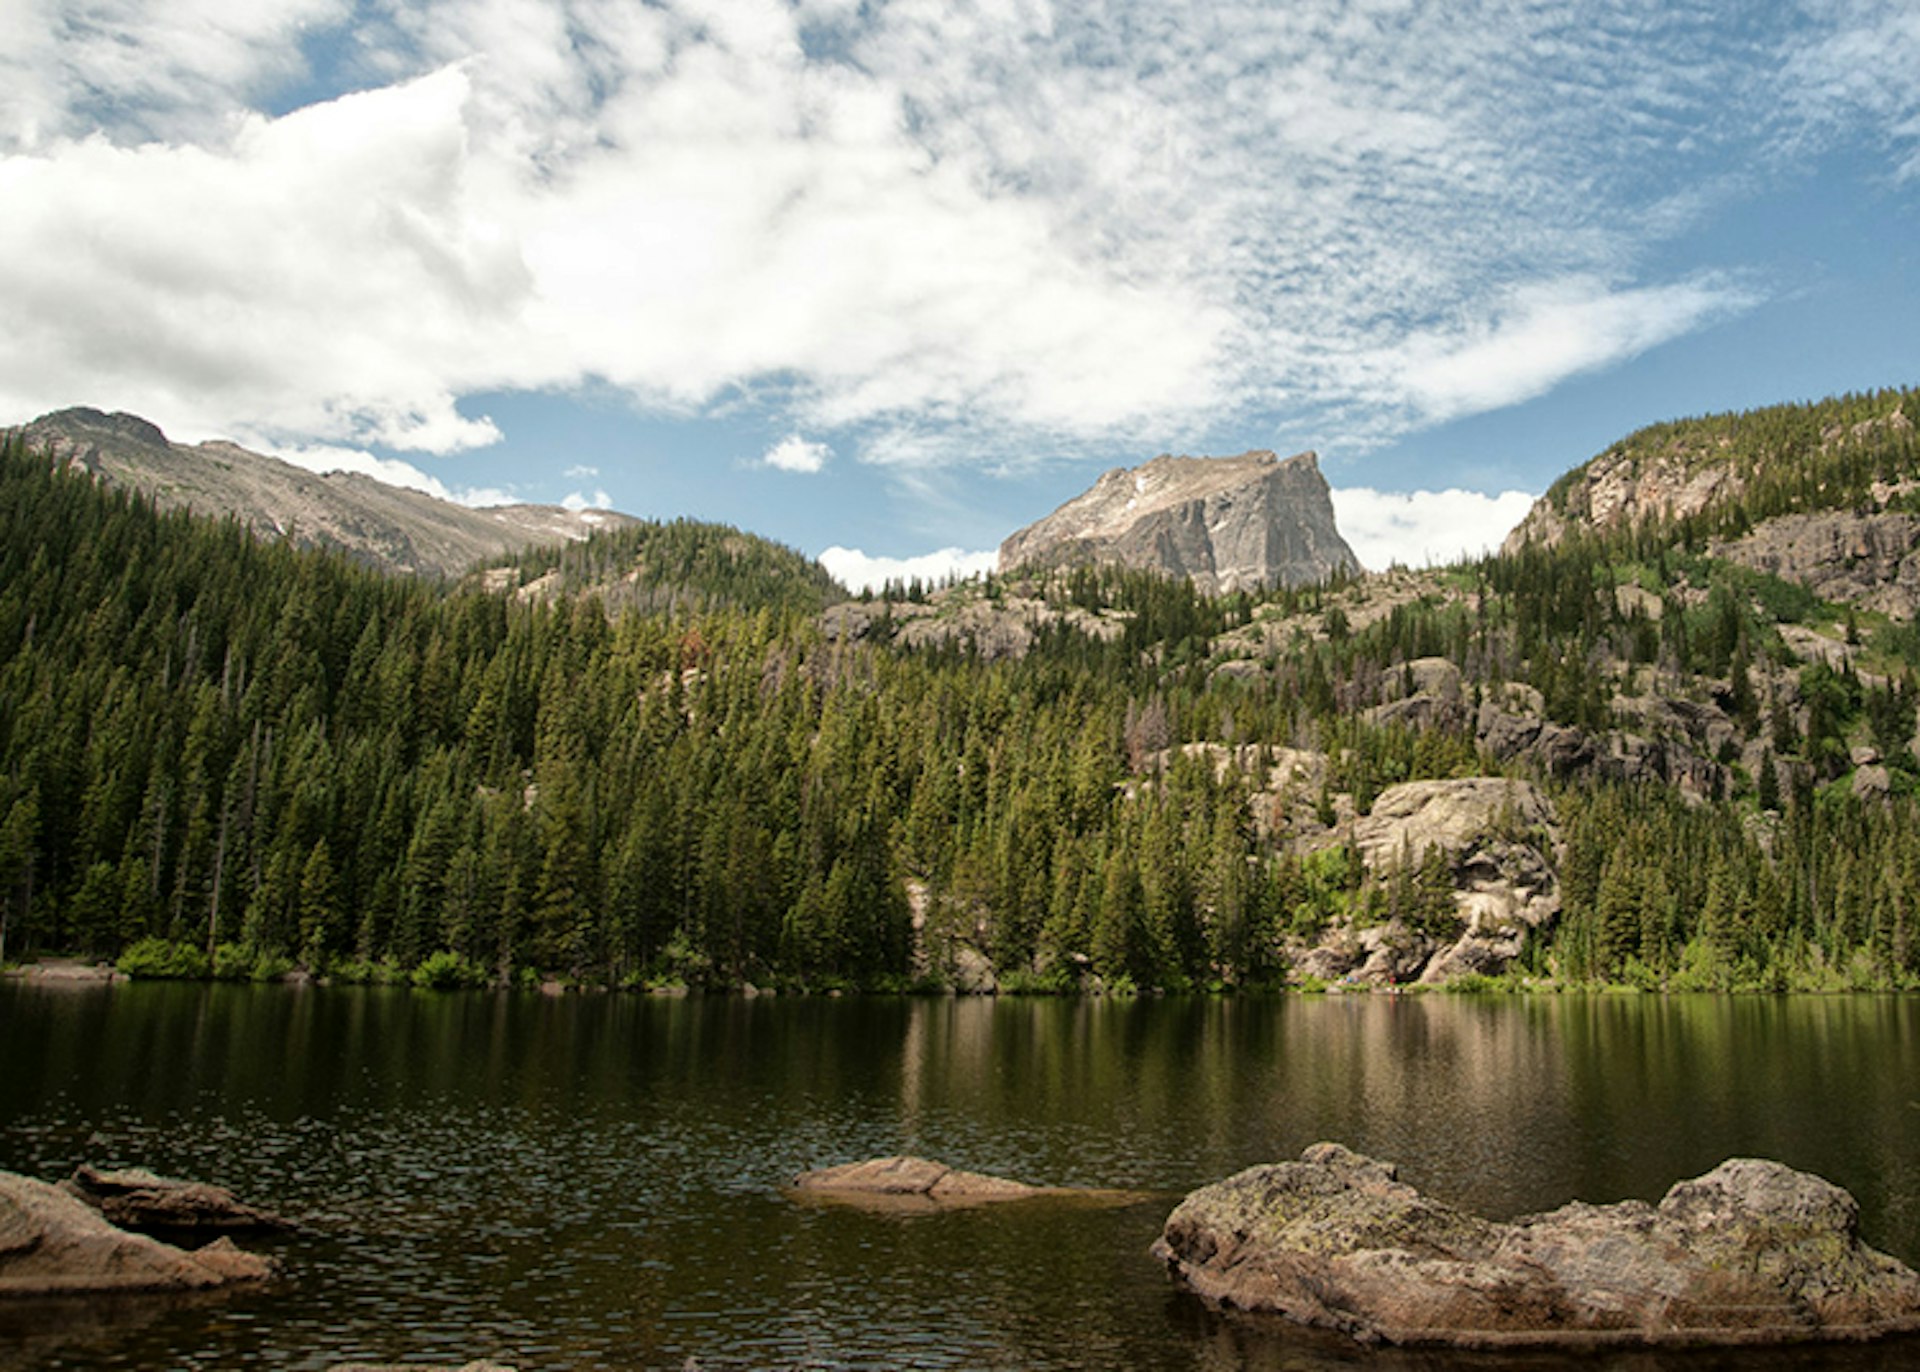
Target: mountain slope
385,526
1733,471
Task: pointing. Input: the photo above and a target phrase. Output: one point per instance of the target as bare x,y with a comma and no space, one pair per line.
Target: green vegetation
1784,459
225,758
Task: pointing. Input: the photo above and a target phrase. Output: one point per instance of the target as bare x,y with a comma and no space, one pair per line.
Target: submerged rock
52,1243
145,1202
912,1182
1751,1253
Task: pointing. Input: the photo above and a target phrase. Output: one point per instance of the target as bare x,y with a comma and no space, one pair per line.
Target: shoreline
77,972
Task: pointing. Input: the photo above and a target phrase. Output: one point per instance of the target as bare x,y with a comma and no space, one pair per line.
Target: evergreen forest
650,760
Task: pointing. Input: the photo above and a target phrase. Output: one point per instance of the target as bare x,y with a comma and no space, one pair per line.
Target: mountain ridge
391,527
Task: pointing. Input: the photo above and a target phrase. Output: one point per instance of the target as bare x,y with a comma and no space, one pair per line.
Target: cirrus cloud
991,228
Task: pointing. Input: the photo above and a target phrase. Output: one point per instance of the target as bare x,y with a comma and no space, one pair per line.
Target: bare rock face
1619,489
1869,560
142,1201
52,1244
389,527
1751,1253
1225,523
919,1183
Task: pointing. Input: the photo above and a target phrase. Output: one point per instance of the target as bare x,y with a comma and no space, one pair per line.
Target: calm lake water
595,1181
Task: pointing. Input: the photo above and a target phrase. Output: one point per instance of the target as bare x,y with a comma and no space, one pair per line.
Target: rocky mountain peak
1225,522
80,434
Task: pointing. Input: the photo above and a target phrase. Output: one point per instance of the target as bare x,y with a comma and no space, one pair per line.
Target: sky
888,280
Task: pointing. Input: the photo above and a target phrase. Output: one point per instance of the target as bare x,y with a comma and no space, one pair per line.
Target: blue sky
895,278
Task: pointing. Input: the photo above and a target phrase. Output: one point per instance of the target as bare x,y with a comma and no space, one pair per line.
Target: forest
223,757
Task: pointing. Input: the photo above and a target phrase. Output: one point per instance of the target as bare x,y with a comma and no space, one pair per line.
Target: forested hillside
645,760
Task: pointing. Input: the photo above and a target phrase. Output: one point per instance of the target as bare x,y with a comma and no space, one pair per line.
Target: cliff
1227,523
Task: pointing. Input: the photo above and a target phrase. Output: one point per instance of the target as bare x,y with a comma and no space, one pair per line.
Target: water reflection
594,1182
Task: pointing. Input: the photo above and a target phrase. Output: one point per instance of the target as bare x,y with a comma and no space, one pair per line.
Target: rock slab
54,1244
145,1202
918,1183
1752,1252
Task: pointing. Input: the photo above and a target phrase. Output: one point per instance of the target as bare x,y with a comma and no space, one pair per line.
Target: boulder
1753,1252
53,1244
139,1200
919,1183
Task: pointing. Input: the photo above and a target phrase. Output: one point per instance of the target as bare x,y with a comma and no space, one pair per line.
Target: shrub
163,958
448,971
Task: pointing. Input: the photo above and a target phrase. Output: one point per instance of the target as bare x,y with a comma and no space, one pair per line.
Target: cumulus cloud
858,571
1422,528
963,231
328,276
796,454
579,500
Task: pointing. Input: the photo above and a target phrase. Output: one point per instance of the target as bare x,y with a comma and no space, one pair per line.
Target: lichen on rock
1752,1252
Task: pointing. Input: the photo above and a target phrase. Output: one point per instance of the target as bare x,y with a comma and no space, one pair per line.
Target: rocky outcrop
999,624
1225,523
142,1201
919,1183
1497,840
1751,1253
54,1244
1621,488
1868,560
386,526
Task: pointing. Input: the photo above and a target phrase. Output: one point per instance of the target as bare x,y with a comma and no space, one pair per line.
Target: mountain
1623,754
1227,523
388,527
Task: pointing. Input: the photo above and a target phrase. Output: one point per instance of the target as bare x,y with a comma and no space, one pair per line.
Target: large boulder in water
1751,1253
137,1199
52,1244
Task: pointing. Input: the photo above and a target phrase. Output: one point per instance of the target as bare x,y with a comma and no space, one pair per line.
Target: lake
595,1181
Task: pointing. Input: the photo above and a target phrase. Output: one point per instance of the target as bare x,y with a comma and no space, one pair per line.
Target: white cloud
580,471
577,501
857,571
972,230
1421,528
181,68
796,454
1544,333
325,277
1860,70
